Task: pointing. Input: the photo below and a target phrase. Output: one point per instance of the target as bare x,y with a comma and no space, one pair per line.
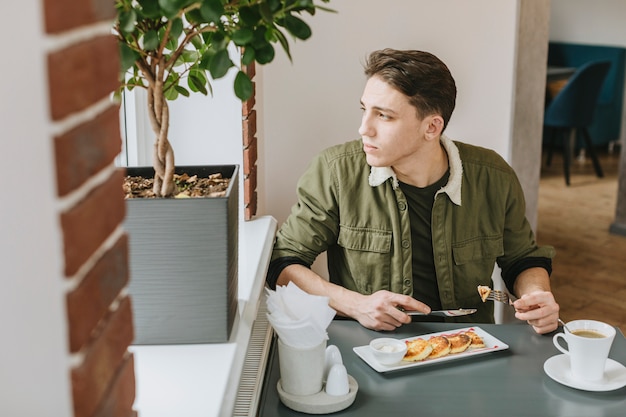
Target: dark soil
187,187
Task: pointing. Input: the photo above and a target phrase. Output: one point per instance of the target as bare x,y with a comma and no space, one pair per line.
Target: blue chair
571,112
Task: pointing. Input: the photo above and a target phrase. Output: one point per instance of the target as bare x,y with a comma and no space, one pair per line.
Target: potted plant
174,48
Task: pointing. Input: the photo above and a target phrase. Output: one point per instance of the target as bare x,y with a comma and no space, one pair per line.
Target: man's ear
435,126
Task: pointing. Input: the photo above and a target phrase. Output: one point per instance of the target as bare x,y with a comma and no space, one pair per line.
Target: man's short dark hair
421,76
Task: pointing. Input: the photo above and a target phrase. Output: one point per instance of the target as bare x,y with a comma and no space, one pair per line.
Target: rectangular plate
492,344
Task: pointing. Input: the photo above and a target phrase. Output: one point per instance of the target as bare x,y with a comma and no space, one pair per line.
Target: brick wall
83,70
250,153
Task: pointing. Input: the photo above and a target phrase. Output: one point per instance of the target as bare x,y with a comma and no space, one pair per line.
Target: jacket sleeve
521,250
313,224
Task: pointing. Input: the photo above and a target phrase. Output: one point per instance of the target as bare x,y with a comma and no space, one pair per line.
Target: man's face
390,128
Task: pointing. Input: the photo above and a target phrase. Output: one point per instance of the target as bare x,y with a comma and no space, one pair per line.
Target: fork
504,297
500,296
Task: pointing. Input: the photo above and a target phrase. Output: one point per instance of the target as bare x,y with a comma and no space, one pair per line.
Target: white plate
558,368
492,344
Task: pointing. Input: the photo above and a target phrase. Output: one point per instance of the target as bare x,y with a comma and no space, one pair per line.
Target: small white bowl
387,350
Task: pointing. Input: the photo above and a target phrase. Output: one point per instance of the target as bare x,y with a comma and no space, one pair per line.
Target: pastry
441,346
484,292
417,350
459,342
476,341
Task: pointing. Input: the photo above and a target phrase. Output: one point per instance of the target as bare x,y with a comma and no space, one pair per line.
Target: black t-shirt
420,201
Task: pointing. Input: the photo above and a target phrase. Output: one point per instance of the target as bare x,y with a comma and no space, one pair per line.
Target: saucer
320,403
558,368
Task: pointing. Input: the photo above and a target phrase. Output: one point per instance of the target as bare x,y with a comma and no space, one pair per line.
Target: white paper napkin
300,319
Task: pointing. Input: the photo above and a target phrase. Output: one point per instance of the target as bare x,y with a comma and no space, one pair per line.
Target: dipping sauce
389,348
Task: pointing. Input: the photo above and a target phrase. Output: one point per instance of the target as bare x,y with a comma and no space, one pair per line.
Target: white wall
601,22
313,102
34,375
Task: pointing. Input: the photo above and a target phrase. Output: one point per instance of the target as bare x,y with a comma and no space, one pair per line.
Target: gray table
505,383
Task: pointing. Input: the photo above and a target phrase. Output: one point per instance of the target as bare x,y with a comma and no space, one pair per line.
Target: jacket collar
379,175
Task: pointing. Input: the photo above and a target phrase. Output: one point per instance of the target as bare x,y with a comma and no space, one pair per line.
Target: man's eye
383,116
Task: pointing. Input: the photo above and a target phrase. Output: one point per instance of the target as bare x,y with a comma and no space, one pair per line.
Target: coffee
592,334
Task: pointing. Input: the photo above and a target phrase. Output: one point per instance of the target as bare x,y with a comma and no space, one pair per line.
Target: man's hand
539,309
383,310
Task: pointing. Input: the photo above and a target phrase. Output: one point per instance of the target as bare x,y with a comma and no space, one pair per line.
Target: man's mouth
368,148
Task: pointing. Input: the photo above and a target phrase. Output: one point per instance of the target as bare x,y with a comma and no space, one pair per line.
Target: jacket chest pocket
478,250
367,253
474,262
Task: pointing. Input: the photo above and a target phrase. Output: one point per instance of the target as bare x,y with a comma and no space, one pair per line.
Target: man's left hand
539,309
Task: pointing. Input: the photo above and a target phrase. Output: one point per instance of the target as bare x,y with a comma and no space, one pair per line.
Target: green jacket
359,215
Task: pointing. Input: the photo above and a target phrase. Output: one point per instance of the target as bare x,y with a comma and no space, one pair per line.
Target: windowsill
201,379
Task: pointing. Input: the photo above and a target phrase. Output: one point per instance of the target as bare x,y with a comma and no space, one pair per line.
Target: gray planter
183,263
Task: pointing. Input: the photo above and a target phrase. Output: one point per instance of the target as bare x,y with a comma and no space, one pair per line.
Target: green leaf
170,94
220,64
274,5
127,57
242,36
150,8
196,81
243,86
172,7
259,40
297,27
127,21
205,61
169,7
218,41
248,56
265,54
194,16
250,16
150,40
189,56
212,10
284,42
266,13
177,28
182,90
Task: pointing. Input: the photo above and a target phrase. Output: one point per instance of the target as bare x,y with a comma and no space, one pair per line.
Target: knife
447,313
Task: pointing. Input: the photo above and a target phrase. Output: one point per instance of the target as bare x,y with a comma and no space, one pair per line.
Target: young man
410,219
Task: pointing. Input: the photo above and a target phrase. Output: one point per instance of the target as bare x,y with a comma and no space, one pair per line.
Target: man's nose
366,128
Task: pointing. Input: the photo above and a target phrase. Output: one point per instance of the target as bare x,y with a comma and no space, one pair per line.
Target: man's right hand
383,310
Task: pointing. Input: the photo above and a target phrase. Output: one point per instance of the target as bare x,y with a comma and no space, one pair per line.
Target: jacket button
402,205
406,244
407,282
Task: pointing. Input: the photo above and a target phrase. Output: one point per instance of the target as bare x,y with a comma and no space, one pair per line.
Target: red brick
82,74
249,186
118,401
96,375
250,208
86,225
249,129
89,303
87,149
61,15
249,157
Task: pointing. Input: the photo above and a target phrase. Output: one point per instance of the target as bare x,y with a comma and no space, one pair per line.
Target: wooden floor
589,270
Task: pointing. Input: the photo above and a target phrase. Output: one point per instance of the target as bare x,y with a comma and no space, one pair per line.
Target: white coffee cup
301,369
588,346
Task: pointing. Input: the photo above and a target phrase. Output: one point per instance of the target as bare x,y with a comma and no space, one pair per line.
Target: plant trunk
163,156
